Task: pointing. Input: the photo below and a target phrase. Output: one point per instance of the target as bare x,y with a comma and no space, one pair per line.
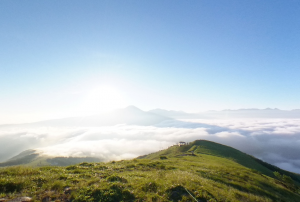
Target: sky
75,58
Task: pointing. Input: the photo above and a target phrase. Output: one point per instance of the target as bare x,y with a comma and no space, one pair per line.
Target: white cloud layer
276,141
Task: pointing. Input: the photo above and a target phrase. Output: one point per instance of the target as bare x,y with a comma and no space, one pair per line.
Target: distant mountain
35,158
240,113
254,113
24,157
130,115
176,114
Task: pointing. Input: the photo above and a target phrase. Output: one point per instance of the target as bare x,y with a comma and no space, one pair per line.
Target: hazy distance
129,132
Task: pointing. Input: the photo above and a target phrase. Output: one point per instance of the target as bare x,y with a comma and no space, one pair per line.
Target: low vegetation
181,177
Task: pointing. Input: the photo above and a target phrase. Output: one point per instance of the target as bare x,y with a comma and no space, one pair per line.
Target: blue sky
69,58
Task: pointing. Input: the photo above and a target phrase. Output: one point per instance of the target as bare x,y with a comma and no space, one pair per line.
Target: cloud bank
276,141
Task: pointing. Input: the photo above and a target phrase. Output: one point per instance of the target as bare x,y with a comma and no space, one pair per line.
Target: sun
103,98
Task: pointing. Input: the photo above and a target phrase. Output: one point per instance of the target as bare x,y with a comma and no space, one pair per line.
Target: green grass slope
23,158
35,159
204,147
183,178
169,175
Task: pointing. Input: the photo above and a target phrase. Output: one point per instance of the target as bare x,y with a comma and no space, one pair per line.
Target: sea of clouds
276,141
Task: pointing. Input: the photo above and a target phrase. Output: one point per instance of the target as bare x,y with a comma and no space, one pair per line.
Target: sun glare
103,99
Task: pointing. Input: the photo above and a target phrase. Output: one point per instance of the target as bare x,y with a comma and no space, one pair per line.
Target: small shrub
39,181
153,164
85,164
93,181
131,166
206,196
287,179
77,171
71,167
171,168
101,167
162,167
277,175
150,187
256,171
86,176
63,177
7,186
163,157
57,185
175,193
75,181
115,178
113,193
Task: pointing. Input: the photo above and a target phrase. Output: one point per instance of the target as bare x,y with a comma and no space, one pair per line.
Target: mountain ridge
158,115
230,113
205,147
130,115
36,158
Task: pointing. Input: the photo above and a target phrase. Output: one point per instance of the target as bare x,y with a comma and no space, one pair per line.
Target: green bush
287,179
277,175
7,186
175,193
115,178
112,194
85,164
131,166
63,177
39,181
57,185
71,167
150,187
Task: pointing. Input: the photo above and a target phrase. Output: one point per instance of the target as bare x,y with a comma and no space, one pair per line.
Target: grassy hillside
34,159
20,160
173,176
205,147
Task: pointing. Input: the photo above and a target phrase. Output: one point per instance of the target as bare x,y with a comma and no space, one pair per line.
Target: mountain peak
132,107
